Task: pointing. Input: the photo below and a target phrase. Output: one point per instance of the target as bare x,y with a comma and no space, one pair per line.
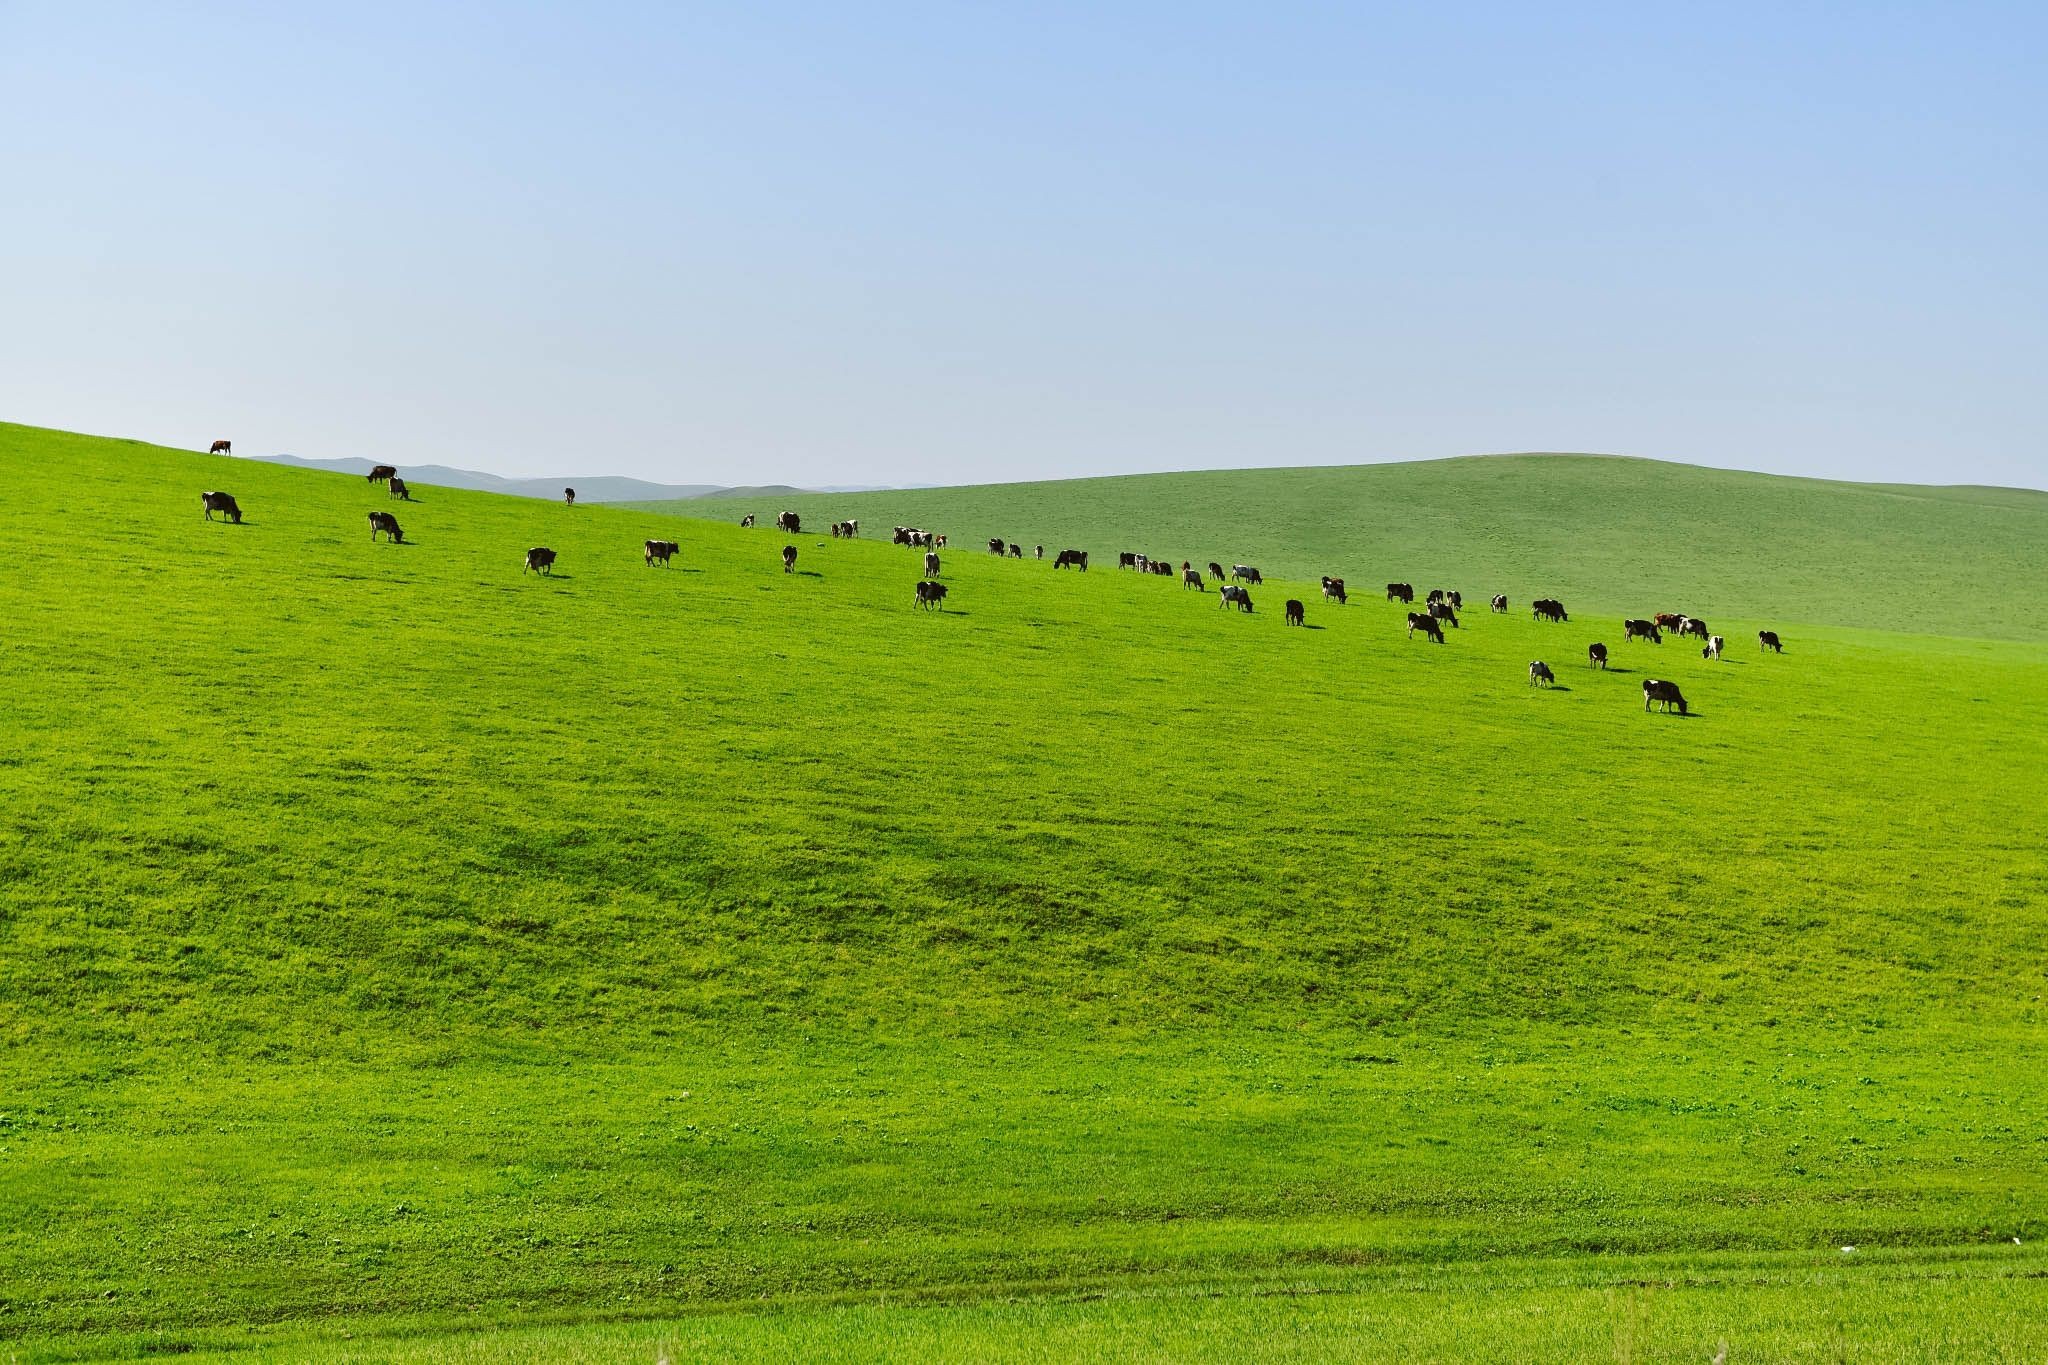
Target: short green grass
1598,532
388,937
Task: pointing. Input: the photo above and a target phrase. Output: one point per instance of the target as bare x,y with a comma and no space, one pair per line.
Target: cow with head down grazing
1768,639
1427,624
387,525
1539,672
1666,693
1333,590
223,503
221,448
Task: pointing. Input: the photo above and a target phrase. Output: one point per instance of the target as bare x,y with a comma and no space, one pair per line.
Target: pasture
394,941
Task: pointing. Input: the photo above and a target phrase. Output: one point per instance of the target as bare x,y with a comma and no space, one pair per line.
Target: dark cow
1075,558
1125,559
845,530
1435,596
747,520
1539,672
1768,639
1456,599
221,448
1333,590
931,563
1443,611
223,503
381,472
399,489
1640,629
1400,592
1424,622
660,550
1500,602
1017,551
1596,656
1657,690
1244,573
1692,625
1216,571
1192,578
790,523
569,496
1230,595
789,559
1547,609
386,524
995,547
1297,615
540,559
1041,552
1163,567
931,595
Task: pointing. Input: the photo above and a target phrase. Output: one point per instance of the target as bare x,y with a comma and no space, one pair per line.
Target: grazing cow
1443,611
399,489
1669,620
931,595
540,559
381,472
223,503
1456,599
387,524
660,550
789,559
1216,571
1400,592
1017,551
1712,649
1244,573
846,530
1192,578
1230,595
1333,591
1041,552
931,563
1548,609
221,448
1596,656
569,496
1297,615
1499,603
940,541
1075,558
1640,629
1694,626
1539,672
790,523
995,547
1768,639
747,520
1657,690
1424,622
1435,596
1163,567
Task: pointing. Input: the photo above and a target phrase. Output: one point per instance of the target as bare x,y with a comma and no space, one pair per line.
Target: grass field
1596,531
392,942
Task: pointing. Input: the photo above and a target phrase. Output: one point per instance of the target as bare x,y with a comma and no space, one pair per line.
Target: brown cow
221,448
380,472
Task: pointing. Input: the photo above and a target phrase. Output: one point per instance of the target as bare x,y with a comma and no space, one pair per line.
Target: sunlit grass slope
387,935
1596,531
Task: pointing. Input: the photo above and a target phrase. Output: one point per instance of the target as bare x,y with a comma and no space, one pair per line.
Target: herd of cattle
1440,605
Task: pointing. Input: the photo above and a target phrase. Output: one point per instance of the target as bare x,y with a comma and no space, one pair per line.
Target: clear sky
845,243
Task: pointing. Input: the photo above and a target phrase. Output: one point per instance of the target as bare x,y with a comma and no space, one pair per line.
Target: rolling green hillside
392,940
1599,532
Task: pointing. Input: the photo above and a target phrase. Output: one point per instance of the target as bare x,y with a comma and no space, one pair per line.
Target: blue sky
937,243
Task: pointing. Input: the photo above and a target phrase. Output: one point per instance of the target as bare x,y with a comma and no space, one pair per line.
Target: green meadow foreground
396,947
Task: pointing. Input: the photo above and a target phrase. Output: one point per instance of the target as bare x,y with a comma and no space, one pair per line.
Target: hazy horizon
867,246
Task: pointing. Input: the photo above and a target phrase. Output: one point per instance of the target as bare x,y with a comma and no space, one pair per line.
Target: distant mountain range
589,487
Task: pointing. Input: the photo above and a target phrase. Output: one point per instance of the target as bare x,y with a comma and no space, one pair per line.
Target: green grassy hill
1599,532
390,940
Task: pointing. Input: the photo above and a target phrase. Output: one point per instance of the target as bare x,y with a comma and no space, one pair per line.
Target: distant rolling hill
589,487
1600,532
